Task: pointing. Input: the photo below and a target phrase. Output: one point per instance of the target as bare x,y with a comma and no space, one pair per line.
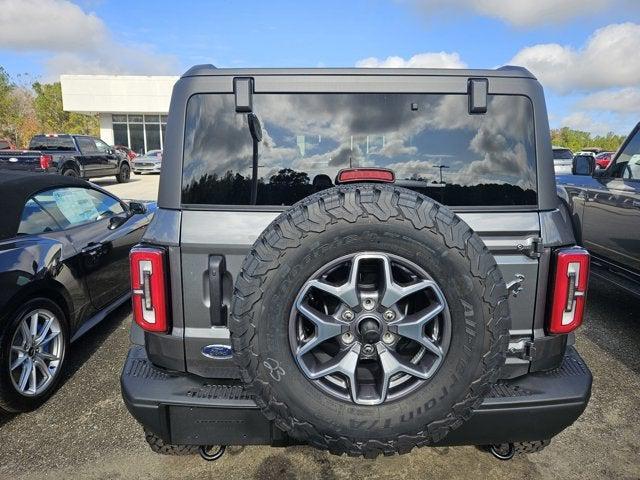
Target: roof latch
477,89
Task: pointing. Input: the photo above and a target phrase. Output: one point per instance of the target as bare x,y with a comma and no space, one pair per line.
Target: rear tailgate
210,236
26,160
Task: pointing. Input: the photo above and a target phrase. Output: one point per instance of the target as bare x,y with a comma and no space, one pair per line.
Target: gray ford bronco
360,260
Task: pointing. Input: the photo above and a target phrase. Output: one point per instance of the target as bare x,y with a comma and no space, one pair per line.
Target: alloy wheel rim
370,328
37,350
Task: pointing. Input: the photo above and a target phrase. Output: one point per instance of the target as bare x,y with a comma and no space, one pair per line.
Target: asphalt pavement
139,187
85,431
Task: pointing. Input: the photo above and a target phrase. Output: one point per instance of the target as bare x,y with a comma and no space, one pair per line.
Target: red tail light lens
569,289
46,161
149,288
350,175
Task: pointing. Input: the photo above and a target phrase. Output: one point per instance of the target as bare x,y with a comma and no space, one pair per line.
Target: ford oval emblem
13,159
217,352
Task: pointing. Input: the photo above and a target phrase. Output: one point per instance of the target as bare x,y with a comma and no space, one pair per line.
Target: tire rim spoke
25,331
43,332
18,361
33,383
413,327
25,374
46,340
394,292
34,325
326,327
48,356
346,293
42,366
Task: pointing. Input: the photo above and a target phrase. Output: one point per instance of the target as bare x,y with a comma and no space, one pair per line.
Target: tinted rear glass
42,142
562,154
4,145
430,141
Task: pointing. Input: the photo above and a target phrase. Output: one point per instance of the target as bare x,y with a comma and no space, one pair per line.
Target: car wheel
70,172
369,320
33,345
125,173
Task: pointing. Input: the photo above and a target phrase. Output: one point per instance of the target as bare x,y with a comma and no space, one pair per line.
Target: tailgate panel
231,234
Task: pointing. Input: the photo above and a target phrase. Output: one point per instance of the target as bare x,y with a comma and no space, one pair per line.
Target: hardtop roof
511,71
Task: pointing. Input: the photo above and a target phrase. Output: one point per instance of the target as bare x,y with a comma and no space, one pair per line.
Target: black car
64,246
605,209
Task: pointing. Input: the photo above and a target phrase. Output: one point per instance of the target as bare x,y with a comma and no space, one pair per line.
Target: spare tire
369,319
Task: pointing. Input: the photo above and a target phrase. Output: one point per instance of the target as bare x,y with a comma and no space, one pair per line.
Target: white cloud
584,122
608,59
79,42
626,100
521,13
420,60
52,25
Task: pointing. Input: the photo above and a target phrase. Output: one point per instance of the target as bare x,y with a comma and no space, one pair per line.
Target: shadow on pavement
612,322
108,181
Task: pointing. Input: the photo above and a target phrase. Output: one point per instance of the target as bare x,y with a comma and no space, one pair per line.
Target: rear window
44,142
562,154
4,145
430,141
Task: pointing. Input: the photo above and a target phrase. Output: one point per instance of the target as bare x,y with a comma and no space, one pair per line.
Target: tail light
350,175
569,289
149,288
46,161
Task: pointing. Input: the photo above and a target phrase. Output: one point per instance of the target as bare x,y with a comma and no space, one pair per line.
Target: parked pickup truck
72,155
605,209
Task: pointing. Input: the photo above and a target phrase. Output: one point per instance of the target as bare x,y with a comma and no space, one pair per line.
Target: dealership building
132,109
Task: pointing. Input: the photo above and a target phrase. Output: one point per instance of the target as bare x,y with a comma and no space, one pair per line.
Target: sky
584,52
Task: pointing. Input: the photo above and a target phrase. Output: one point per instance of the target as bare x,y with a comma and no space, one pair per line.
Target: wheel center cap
370,330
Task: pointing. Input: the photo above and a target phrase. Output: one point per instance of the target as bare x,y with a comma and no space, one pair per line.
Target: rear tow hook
503,451
210,453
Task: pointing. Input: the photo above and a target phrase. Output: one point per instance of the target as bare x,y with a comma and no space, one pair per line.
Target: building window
139,132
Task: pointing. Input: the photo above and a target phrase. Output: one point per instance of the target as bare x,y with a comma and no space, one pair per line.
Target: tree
577,140
289,177
7,107
51,116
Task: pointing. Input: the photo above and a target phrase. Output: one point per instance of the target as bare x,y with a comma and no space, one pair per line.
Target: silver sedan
151,162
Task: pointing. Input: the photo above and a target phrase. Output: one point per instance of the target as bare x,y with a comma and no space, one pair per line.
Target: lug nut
388,338
367,349
368,304
347,315
347,337
389,315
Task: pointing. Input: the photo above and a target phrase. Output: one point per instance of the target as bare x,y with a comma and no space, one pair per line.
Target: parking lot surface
85,431
139,187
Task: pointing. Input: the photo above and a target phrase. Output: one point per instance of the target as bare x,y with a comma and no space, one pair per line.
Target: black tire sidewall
10,399
70,172
433,400
121,177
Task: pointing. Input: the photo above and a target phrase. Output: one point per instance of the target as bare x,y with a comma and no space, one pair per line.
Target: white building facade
132,109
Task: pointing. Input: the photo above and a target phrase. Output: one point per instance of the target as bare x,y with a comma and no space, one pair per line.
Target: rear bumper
185,409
